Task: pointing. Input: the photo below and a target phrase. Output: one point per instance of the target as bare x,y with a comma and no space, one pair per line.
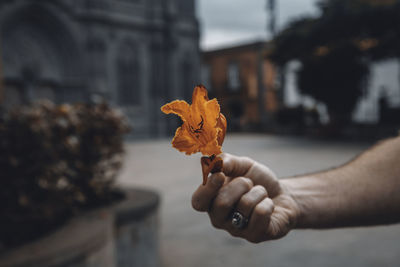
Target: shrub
54,162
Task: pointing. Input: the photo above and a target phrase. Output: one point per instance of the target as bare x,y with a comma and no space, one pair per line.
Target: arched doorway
39,57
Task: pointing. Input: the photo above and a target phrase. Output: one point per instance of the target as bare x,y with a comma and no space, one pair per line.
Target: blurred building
244,82
137,54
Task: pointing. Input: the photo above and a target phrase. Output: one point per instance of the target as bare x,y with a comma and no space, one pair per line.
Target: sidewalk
188,239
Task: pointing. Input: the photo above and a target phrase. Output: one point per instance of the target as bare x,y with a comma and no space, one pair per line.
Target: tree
335,79
335,49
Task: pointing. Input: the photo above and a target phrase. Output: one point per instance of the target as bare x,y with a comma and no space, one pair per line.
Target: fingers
226,200
259,221
260,174
249,200
253,190
221,198
204,195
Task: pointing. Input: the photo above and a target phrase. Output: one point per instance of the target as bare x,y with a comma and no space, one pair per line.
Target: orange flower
204,127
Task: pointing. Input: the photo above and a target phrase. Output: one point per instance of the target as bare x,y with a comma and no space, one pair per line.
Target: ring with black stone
238,220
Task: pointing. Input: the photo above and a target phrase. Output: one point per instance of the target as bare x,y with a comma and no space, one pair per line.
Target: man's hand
253,190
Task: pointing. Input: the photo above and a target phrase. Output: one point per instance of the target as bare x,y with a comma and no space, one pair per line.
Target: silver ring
238,220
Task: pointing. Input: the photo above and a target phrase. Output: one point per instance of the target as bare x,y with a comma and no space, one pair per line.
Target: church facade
137,54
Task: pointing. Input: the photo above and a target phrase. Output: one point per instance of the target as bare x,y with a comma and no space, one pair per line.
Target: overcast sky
229,22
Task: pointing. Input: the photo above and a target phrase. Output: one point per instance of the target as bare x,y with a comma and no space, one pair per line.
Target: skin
365,191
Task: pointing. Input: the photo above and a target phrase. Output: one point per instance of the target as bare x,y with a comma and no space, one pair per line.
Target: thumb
260,174
205,194
235,166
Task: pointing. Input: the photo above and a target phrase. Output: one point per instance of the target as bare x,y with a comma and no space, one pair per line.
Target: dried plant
54,162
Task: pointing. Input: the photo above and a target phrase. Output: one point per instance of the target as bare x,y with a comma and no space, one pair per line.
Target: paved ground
188,239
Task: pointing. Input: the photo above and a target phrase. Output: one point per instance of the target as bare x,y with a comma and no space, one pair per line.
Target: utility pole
1,77
271,28
265,118
271,24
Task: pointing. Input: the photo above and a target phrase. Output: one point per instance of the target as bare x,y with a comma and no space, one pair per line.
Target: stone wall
129,51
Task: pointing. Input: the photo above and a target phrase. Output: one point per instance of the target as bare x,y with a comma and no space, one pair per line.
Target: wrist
306,195
288,189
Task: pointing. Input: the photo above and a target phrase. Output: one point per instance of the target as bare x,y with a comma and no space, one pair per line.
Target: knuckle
270,205
221,204
260,211
245,203
245,182
248,159
260,189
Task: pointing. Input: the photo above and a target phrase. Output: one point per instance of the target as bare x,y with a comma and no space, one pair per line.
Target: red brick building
243,80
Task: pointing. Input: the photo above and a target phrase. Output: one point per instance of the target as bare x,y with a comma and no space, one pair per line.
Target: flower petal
212,111
184,142
211,148
207,113
204,109
199,99
203,128
200,94
178,107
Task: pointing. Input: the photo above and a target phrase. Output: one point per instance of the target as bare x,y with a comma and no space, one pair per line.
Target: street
188,239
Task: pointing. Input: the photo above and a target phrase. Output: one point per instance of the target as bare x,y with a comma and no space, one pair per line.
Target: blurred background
305,85
325,68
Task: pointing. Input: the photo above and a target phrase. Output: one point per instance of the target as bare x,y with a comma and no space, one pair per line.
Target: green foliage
54,162
335,48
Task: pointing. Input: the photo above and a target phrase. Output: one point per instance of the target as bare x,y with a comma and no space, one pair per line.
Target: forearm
365,191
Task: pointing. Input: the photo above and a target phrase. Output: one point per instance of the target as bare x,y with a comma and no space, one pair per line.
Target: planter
136,229
123,234
83,241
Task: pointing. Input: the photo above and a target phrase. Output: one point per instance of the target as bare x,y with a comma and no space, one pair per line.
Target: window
128,76
233,77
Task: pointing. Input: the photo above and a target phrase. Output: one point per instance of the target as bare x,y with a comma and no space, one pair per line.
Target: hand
252,189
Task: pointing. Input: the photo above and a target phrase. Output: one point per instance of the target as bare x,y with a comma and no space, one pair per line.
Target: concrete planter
124,234
136,229
84,241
